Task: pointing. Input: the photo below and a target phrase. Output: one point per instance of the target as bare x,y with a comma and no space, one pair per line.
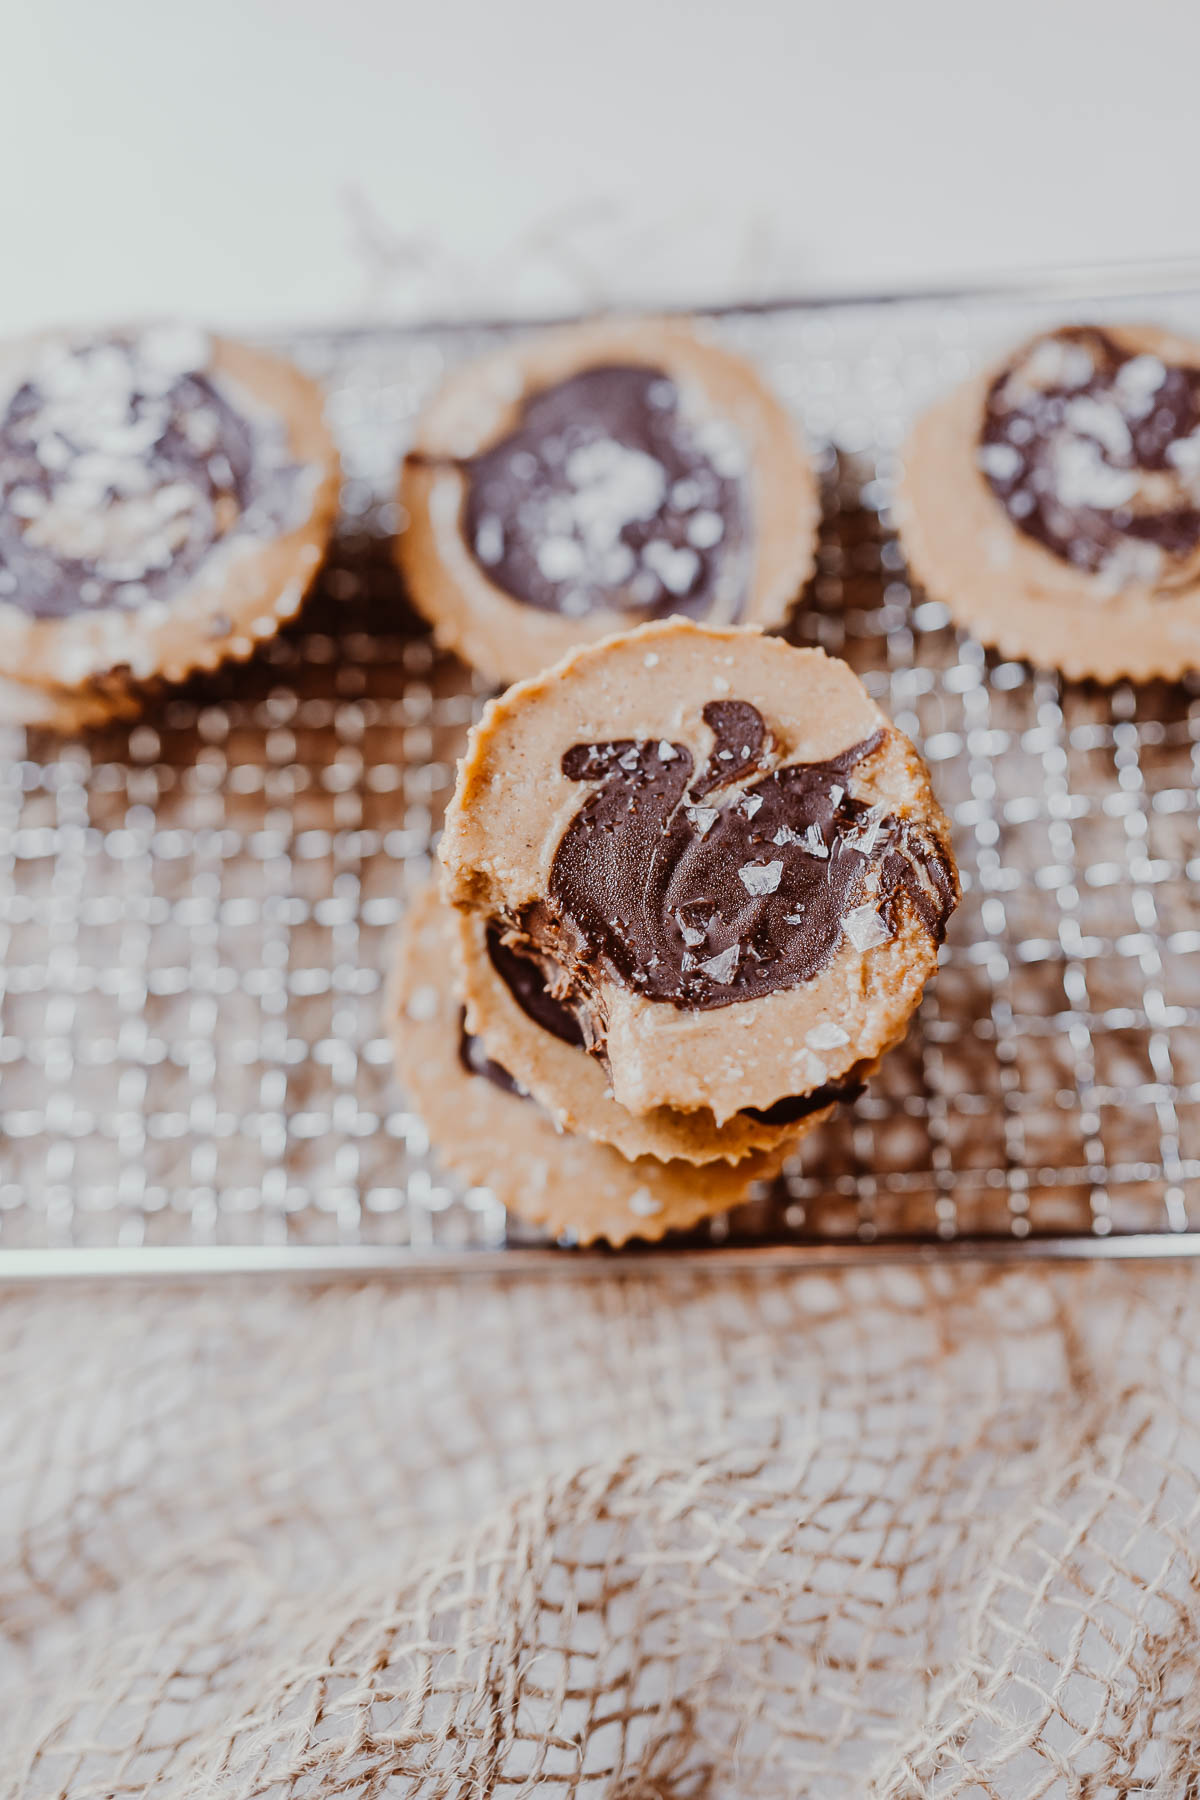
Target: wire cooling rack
197,912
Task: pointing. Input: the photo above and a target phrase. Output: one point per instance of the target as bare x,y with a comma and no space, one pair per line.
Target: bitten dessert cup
166,499
727,862
1053,503
597,477
540,1041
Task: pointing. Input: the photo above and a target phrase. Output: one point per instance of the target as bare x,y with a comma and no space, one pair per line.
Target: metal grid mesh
196,912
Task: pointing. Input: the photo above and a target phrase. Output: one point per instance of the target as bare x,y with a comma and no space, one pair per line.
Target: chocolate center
123,464
794,1107
526,980
607,497
1094,451
476,1061
710,890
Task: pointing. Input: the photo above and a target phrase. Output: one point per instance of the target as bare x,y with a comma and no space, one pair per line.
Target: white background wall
248,161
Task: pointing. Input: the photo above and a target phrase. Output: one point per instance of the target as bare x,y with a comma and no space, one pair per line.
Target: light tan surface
512,805
865,1536
507,1143
573,1087
479,404
240,596
1006,587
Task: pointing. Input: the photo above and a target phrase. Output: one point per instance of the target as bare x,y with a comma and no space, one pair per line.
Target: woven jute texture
883,1533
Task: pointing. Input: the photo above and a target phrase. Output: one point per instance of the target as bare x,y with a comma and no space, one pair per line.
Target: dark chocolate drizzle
702,905
121,468
1080,445
605,497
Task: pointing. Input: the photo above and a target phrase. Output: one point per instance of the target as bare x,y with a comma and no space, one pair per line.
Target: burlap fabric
882,1533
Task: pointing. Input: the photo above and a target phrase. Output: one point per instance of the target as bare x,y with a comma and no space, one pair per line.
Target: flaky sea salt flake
1184,454
489,540
864,927
751,804
703,818
722,968
691,934
760,878
1001,461
1136,384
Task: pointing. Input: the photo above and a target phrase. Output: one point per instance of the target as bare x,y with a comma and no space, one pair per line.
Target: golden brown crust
1006,588
501,1141
233,605
478,405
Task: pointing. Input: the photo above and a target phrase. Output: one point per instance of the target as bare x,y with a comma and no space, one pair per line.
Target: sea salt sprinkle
489,540
691,935
1137,383
611,492
864,927
1102,420
703,818
867,832
677,569
120,441
1184,455
760,878
722,968
1090,460
1001,461
1082,477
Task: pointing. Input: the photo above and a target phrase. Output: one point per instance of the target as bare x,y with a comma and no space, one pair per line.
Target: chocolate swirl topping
702,893
605,496
1094,451
123,464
